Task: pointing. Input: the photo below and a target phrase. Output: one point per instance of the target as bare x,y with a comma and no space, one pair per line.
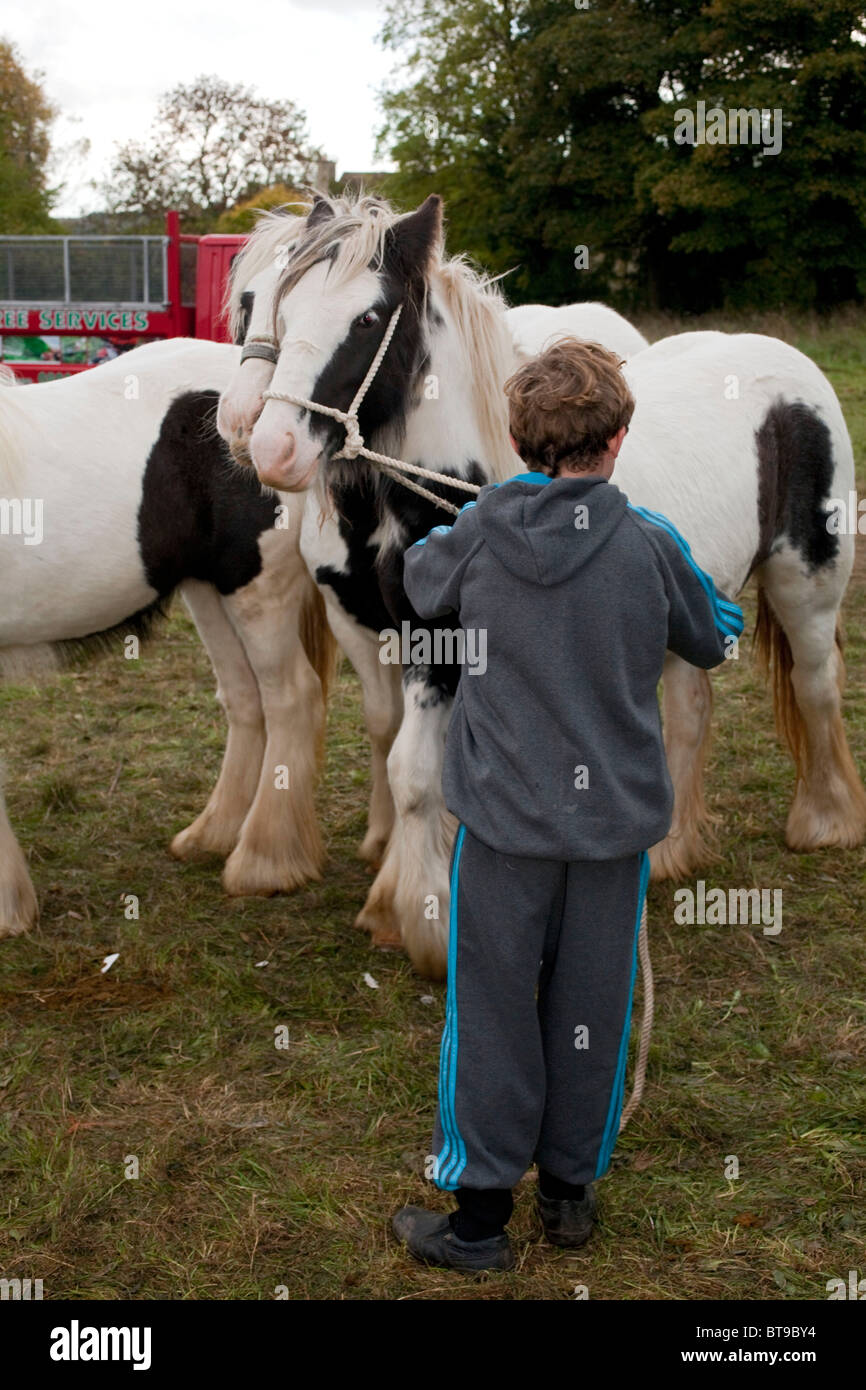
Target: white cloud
106,63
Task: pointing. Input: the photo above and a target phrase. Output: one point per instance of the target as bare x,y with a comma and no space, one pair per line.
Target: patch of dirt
100,993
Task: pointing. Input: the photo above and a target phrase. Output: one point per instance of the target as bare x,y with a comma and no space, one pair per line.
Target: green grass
262,1167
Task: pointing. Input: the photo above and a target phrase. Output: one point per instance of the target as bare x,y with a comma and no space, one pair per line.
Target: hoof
677,858
382,925
810,828
250,875
196,843
19,909
386,941
372,850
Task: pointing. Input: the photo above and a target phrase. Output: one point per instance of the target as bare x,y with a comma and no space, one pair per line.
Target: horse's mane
274,231
354,237
478,308
276,237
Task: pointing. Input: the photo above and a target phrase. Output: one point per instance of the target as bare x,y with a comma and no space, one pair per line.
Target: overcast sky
105,63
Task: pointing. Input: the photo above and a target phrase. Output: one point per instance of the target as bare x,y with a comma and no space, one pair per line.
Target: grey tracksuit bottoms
541,969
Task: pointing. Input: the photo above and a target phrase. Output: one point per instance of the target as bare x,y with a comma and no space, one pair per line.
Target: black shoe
429,1237
567,1222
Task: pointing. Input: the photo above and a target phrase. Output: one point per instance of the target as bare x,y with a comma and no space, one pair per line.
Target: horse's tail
774,655
318,640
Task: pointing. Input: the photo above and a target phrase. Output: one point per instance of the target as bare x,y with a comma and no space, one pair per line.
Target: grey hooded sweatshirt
555,750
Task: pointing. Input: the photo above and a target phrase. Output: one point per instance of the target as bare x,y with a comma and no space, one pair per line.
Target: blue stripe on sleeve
728,616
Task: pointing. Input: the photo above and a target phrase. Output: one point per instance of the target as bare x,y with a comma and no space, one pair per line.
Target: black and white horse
739,439
342,547
116,490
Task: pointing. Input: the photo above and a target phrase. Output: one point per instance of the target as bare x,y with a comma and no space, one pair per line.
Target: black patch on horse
418,517
358,590
795,474
200,515
385,400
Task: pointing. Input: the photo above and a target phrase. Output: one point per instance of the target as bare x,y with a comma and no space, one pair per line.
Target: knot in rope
354,441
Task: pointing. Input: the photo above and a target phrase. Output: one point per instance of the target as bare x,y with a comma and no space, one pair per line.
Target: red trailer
122,289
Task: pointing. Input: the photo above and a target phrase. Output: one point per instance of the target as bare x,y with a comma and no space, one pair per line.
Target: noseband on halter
354,446
263,346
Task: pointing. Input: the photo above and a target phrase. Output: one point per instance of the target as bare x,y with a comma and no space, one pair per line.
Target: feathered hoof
372,849
19,908
808,829
678,857
429,957
379,920
201,842
249,874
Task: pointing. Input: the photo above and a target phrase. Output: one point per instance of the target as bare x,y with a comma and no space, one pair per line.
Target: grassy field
261,1167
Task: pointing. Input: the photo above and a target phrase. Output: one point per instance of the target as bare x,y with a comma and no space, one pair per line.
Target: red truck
120,289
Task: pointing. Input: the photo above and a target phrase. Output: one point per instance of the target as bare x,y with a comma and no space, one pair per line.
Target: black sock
481,1212
559,1191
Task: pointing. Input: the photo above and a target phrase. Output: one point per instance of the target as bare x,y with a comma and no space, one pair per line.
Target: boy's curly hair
566,403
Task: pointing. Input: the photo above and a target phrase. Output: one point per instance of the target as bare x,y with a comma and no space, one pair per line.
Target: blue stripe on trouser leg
452,1158
611,1129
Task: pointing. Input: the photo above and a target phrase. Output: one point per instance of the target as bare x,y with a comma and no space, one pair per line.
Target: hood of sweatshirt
546,529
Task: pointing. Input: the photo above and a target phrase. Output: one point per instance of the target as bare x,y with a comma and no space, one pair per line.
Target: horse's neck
442,430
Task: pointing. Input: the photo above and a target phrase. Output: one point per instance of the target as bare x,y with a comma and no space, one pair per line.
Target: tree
746,225
526,116
26,117
548,126
213,144
243,217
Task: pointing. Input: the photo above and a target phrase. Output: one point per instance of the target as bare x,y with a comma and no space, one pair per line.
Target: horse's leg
280,619
408,902
687,704
799,639
382,693
216,830
19,910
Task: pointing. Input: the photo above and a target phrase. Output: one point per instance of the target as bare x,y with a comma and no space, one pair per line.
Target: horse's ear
417,236
320,211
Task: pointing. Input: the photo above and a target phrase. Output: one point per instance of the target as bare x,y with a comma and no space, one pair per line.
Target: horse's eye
368,320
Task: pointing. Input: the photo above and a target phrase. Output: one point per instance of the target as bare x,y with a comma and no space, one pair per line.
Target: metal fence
108,271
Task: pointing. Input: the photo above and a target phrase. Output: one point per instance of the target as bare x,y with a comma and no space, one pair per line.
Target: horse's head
252,288
347,273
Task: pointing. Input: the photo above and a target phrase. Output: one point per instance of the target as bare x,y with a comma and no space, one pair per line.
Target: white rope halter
354,446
